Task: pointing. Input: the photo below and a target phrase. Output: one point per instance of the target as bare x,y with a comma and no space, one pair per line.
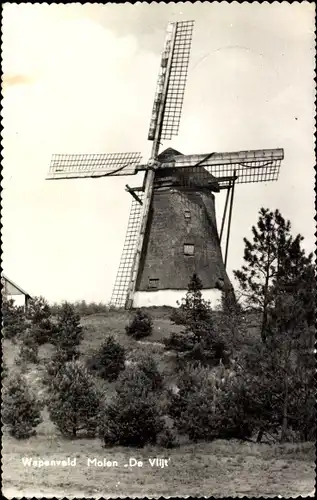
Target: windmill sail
172,76
177,79
120,289
249,166
70,166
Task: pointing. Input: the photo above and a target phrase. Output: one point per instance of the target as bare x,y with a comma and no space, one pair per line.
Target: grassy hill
221,468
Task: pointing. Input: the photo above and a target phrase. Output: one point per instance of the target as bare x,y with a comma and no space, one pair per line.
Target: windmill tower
172,231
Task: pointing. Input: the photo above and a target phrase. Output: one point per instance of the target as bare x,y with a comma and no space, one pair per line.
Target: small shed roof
11,288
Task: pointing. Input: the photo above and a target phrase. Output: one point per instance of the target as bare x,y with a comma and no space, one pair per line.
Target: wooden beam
135,196
135,189
225,158
224,214
229,221
223,179
149,178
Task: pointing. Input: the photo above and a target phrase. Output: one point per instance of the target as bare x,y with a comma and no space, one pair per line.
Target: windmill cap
168,154
200,176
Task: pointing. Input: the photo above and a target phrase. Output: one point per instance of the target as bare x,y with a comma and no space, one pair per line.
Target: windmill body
181,239
172,231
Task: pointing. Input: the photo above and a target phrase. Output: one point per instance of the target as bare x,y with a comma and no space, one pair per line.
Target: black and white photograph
158,250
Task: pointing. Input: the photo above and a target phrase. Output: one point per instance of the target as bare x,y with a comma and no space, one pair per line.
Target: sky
81,79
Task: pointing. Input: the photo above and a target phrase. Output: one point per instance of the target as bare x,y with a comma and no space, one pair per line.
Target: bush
109,360
4,369
28,353
38,310
178,317
57,363
39,320
133,417
83,308
13,319
198,344
167,438
230,321
180,341
131,423
275,385
211,404
20,409
181,405
141,379
74,404
148,366
141,325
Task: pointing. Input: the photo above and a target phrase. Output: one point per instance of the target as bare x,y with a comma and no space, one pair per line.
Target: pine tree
74,403
57,363
284,366
132,417
290,333
109,360
69,332
199,342
149,367
38,311
210,404
271,259
39,318
28,352
143,376
20,411
141,325
193,305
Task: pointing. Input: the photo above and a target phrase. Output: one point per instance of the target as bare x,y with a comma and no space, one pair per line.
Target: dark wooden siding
168,230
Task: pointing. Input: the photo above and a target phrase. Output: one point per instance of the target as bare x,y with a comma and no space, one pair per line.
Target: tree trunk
266,301
285,406
264,324
260,436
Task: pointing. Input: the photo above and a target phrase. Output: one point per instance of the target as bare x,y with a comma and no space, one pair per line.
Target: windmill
172,230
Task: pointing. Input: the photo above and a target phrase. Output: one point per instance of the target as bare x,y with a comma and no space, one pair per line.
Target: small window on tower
189,249
187,214
153,283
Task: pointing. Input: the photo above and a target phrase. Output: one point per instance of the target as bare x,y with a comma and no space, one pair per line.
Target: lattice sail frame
177,47
70,166
249,166
122,282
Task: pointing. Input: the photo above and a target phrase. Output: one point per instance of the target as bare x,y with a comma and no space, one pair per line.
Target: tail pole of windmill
175,187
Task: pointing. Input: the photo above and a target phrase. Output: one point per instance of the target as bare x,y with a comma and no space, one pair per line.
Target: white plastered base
170,298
